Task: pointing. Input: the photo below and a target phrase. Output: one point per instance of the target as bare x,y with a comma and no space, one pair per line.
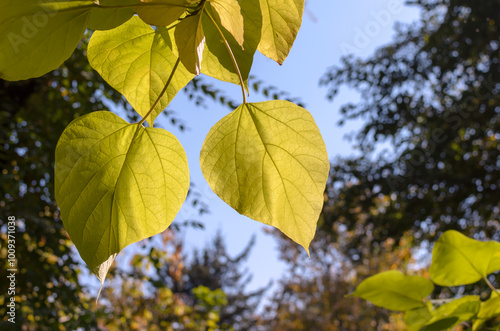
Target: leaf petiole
161,93
231,55
491,285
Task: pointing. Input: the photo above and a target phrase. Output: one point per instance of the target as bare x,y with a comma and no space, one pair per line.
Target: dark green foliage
433,96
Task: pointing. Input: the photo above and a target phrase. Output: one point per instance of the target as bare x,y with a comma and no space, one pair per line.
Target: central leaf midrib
255,122
127,154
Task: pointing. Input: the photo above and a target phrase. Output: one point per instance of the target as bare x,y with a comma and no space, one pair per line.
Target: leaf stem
231,55
161,93
490,285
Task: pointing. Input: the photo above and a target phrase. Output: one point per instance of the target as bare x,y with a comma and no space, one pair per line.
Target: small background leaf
395,291
269,162
459,260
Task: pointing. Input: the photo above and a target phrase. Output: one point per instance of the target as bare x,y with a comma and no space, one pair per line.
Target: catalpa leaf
190,40
217,61
268,161
416,318
38,36
228,14
162,12
139,61
116,183
459,260
395,291
281,21
454,312
488,310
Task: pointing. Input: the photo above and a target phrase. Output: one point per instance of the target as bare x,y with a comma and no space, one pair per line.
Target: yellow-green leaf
269,162
162,12
138,61
416,318
454,312
38,36
228,14
117,183
217,61
281,21
488,310
395,291
190,40
459,260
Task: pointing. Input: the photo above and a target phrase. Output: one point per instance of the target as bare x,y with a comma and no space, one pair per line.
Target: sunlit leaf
281,20
488,310
116,183
459,260
395,291
454,312
190,40
228,13
416,318
138,61
269,162
37,37
106,18
217,60
162,12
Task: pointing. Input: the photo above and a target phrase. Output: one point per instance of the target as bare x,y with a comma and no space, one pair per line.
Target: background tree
167,290
428,162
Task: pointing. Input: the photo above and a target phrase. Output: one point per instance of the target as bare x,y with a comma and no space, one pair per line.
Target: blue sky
330,29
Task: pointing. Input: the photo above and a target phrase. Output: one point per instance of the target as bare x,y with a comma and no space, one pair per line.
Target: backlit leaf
190,41
416,318
38,36
162,12
395,291
281,20
489,309
269,162
454,312
116,183
138,61
217,60
228,13
459,260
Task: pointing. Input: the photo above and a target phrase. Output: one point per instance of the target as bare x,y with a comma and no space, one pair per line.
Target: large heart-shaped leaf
269,162
139,61
395,291
38,36
281,20
459,260
117,183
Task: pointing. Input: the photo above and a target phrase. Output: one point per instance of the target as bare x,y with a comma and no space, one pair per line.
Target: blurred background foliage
429,161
